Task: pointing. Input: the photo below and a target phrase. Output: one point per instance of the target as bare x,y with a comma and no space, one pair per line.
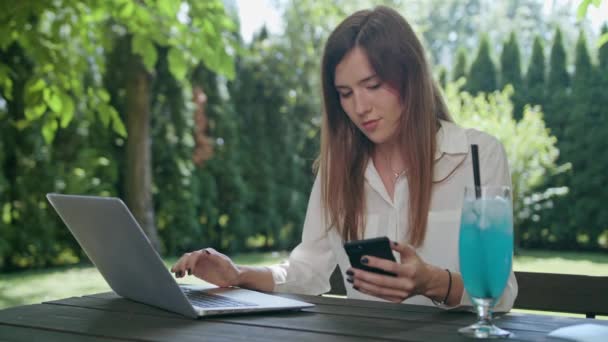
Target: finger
383,264
193,260
388,298
211,251
379,290
402,283
405,250
175,266
179,266
399,283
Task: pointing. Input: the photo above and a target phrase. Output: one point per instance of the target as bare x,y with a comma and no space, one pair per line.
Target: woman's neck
389,154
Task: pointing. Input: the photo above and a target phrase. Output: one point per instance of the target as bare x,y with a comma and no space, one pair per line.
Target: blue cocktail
486,250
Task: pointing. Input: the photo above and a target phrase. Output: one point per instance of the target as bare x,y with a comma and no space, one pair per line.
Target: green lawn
42,285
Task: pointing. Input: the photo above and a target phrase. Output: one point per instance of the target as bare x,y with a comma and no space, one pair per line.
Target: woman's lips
370,125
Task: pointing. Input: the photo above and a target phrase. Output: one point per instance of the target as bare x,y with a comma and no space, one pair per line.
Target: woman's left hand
413,275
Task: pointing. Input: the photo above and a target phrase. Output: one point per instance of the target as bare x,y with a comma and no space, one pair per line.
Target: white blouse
310,264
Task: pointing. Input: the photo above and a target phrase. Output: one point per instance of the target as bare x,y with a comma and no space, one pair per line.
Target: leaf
5,82
68,111
227,67
177,64
36,85
146,49
582,9
212,60
169,7
127,10
35,112
105,115
117,124
603,40
49,129
103,95
54,102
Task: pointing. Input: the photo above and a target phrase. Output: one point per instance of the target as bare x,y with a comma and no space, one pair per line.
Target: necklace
396,173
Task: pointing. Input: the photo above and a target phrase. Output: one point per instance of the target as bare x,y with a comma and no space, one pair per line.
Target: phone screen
378,247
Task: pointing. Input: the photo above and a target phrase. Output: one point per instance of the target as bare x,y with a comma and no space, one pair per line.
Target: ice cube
493,212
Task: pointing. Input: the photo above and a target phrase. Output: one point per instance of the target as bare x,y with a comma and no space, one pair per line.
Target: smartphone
378,247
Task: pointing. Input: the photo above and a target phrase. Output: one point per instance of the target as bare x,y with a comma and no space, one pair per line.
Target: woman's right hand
208,265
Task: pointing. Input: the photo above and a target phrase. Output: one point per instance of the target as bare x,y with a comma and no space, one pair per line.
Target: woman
391,164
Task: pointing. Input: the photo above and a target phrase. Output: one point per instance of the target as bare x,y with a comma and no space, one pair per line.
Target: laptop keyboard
208,300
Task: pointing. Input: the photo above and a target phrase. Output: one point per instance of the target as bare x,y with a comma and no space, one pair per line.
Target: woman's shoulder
481,138
471,135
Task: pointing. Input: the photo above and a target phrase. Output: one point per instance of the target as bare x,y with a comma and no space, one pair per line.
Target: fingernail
349,279
395,243
350,273
364,260
356,288
189,272
207,252
181,274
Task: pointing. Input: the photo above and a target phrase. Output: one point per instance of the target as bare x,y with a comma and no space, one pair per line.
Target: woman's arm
311,263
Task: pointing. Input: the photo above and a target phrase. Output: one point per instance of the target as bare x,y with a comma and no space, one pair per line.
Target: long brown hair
397,57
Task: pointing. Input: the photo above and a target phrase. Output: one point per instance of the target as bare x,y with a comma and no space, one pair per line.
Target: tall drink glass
486,253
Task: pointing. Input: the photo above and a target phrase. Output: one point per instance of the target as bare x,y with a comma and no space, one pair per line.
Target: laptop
111,237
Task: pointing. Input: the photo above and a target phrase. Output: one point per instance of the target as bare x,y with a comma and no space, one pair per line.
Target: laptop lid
113,240
111,237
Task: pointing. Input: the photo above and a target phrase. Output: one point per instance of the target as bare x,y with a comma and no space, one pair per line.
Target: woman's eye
345,95
374,86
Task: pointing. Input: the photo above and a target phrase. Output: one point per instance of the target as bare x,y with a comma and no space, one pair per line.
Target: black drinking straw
475,152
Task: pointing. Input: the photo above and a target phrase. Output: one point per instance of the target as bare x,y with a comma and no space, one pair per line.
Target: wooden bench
580,294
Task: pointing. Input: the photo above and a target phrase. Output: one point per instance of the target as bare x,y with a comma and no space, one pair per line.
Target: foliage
510,64
482,75
64,65
535,76
66,42
603,52
582,10
54,62
530,148
460,69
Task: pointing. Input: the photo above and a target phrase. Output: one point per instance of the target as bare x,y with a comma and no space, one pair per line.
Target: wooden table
106,316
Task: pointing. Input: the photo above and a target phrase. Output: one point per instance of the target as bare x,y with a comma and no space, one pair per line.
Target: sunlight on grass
593,264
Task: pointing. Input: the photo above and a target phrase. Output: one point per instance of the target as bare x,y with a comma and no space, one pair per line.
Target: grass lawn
29,287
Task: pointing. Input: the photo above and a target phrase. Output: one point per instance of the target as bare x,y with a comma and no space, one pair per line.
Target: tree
511,73
580,128
482,75
558,84
558,75
510,63
67,42
535,76
460,69
442,77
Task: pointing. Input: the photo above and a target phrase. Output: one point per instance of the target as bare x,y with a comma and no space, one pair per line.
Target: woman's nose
362,104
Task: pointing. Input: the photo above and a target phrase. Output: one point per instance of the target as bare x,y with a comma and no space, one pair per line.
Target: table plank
28,334
398,322
108,315
130,326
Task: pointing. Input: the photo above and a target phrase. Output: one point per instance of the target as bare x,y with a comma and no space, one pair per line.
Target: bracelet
447,294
